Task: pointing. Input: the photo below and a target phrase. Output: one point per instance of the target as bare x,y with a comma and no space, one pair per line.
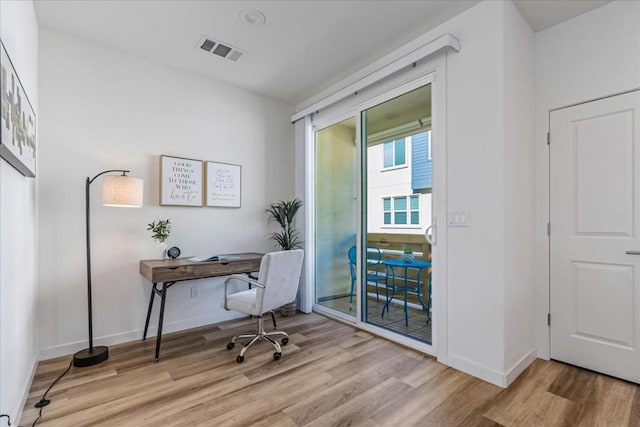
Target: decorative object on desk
284,212
173,252
223,184
408,256
160,230
17,120
117,190
180,181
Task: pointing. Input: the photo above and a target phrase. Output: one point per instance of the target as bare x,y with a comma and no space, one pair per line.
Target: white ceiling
542,14
304,47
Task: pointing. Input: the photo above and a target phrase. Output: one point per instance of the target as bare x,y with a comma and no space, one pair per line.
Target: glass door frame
317,126
434,73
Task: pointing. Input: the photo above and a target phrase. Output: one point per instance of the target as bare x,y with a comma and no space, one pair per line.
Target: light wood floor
330,375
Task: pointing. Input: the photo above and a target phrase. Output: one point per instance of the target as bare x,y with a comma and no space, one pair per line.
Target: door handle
633,252
431,237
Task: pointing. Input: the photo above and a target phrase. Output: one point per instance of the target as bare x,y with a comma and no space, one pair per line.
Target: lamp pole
92,355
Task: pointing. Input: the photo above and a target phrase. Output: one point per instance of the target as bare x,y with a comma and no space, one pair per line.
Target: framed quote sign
180,181
223,185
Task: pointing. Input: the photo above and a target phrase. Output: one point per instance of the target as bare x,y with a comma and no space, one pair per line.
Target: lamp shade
122,191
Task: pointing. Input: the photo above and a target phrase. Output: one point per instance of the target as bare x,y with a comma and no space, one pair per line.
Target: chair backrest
280,274
352,262
374,259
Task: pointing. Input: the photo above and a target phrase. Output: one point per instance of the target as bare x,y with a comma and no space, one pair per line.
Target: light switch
458,219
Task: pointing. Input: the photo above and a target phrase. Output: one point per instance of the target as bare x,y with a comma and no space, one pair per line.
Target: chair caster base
277,355
230,345
240,359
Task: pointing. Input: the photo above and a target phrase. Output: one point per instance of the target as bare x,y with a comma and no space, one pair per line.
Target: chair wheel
285,341
277,355
230,345
240,359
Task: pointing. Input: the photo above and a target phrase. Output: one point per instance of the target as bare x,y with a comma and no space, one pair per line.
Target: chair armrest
242,279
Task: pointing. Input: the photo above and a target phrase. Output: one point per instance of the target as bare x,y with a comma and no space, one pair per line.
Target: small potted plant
407,256
160,231
284,212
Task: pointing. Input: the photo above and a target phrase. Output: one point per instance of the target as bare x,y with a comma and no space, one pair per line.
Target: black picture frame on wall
17,120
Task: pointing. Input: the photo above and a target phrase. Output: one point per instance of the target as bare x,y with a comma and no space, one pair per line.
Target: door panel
397,208
335,215
594,200
604,205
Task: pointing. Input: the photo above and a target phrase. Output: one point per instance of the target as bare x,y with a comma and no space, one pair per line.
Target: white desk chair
277,285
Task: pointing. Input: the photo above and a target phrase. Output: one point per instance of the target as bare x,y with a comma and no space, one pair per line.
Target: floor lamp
117,190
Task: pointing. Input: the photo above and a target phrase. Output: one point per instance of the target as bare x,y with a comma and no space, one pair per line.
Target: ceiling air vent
221,49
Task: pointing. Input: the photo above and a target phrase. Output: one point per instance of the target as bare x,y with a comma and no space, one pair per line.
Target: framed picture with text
180,181
223,185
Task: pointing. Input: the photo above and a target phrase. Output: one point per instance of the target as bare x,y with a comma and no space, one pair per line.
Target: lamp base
85,358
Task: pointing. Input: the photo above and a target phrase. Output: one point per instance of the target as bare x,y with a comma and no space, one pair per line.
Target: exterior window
403,210
386,204
394,153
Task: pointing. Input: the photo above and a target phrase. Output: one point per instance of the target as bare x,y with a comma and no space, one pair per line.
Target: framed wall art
180,181
17,120
223,185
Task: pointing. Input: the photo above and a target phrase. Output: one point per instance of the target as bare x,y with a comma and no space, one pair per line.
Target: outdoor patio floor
392,320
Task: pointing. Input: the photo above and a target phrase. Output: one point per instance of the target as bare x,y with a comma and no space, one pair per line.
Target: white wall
593,55
519,189
102,109
18,231
474,183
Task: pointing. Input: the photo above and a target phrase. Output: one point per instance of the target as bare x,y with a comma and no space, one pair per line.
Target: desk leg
163,297
146,323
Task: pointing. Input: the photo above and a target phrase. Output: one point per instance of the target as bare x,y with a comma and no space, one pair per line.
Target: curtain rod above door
446,41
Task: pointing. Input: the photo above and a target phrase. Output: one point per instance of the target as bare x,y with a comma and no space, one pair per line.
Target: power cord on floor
8,418
44,401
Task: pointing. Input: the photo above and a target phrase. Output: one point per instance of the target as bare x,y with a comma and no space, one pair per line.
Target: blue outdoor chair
376,271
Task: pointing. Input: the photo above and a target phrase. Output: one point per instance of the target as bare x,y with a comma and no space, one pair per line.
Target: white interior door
595,221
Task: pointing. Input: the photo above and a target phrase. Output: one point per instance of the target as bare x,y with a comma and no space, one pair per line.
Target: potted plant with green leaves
284,212
160,230
408,256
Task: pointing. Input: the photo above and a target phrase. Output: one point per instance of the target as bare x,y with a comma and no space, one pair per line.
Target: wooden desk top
174,270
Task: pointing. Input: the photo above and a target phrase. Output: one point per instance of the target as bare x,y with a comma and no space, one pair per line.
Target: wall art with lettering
17,120
180,181
223,185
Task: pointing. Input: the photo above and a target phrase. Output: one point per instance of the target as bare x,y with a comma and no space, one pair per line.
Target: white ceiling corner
304,47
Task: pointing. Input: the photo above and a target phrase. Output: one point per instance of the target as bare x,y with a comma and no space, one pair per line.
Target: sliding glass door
336,216
396,212
373,209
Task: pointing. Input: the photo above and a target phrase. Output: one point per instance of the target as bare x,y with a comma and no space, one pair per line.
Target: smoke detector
252,17
221,49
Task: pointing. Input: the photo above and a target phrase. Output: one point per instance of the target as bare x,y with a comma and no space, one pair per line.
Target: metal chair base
261,334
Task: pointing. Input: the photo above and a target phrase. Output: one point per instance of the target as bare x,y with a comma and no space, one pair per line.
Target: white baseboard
134,335
477,370
25,394
501,379
521,365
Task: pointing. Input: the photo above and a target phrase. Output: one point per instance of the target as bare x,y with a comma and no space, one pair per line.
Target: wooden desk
171,271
